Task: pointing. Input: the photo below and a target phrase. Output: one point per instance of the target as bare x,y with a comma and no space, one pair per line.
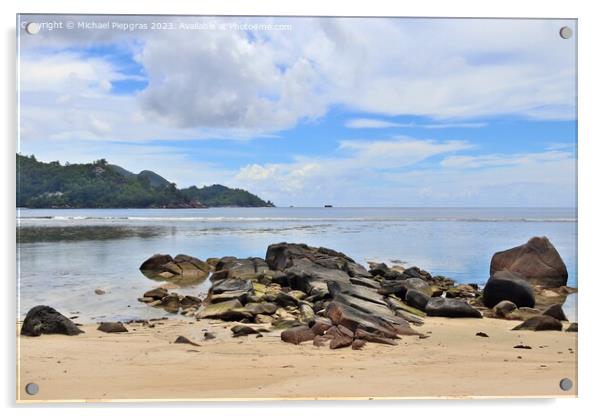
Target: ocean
63,255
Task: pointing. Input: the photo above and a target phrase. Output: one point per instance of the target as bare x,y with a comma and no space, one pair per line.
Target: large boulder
451,308
537,261
182,270
46,320
505,285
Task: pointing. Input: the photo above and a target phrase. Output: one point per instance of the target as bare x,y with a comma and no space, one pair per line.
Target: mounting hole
32,389
32,28
566,384
566,32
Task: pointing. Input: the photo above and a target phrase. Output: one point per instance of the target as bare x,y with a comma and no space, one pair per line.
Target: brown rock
297,335
537,261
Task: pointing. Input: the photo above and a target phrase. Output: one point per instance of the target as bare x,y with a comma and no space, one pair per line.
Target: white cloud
373,123
236,84
387,173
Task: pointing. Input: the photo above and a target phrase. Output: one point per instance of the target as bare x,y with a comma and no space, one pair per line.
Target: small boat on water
327,206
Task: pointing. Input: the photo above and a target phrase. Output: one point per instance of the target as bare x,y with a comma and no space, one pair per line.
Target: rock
111,327
400,287
183,340
540,323
506,285
99,291
188,301
145,300
360,292
358,344
504,308
451,308
46,320
461,291
537,261
171,303
378,269
320,325
284,299
524,313
396,304
351,318
285,324
208,336
555,311
242,269
231,285
242,296
365,306
263,319
184,270
362,281
157,293
243,330
306,313
320,340
573,327
340,339
417,299
265,308
360,334
297,335
223,310
482,334
522,346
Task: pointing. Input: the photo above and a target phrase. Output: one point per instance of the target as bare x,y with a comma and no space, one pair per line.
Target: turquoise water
65,254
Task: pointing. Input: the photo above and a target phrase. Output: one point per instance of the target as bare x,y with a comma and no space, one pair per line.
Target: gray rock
451,308
504,308
46,320
506,285
573,327
417,299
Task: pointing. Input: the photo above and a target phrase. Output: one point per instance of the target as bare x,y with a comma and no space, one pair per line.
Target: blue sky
353,112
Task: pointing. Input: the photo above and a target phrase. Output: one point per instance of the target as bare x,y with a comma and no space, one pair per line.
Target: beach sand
145,364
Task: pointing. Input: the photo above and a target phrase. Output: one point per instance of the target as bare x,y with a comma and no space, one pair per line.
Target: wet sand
145,364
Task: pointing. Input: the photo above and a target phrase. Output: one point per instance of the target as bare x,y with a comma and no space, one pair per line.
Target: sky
311,111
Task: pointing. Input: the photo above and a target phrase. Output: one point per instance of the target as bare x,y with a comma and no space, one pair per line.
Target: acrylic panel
230,207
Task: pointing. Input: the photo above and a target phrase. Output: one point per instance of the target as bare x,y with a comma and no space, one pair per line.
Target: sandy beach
145,364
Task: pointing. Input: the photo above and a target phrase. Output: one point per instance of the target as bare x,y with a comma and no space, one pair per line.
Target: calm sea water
63,255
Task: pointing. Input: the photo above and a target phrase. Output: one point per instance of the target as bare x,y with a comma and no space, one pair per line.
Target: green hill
222,196
101,185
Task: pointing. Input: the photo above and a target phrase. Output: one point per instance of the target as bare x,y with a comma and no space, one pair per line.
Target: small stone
99,291
111,327
482,334
183,340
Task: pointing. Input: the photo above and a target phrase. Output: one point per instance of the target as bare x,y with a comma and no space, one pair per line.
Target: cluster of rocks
321,295
528,283
324,296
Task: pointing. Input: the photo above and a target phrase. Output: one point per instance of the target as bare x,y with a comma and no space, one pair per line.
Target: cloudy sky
353,112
